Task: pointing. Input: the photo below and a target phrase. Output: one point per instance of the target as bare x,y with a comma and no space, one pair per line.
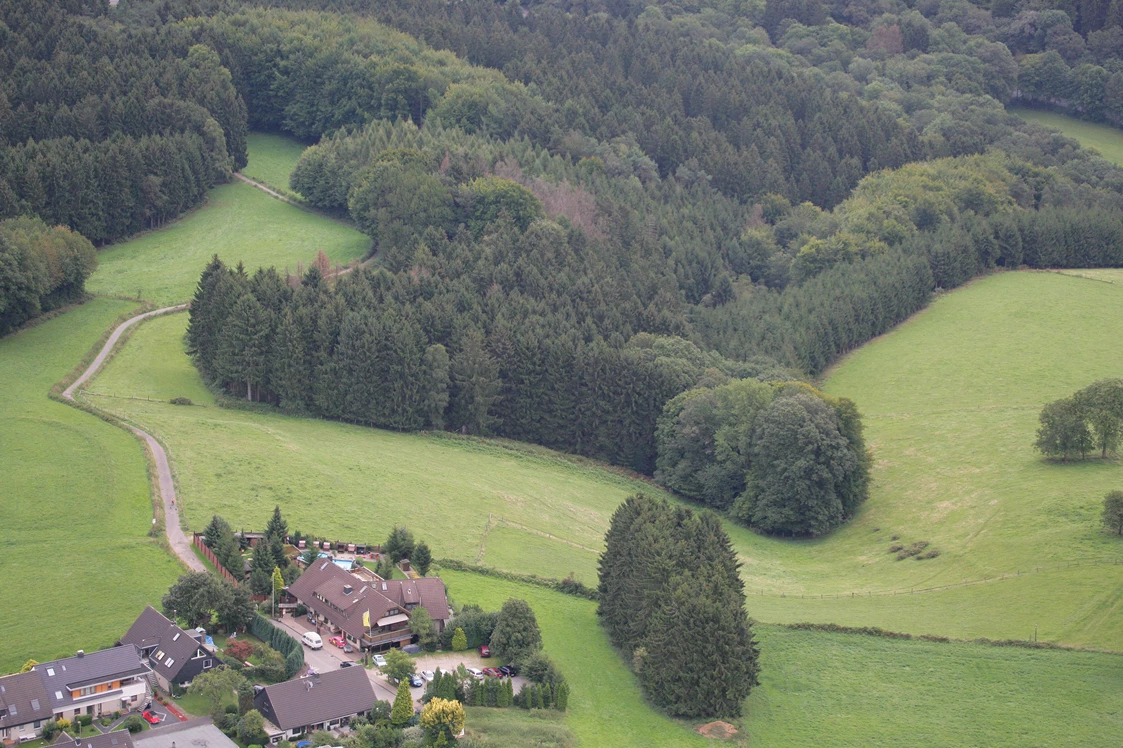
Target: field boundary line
855,594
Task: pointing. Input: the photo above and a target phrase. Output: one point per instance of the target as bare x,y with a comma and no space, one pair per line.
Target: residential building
24,707
318,702
195,733
372,614
115,739
174,655
97,683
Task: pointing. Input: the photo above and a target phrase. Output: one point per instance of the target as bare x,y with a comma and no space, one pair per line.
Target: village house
23,707
174,655
372,613
195,733
325,701
115,739
97,683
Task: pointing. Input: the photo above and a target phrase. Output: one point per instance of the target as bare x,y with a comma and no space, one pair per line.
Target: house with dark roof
174,655
115,739
370,613
97,683
23,707
318,702
194,733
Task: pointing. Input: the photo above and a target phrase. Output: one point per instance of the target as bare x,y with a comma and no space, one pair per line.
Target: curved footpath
177,540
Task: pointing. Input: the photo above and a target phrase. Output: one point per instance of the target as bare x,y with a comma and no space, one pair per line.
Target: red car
485,651
493,672
337,641
150,718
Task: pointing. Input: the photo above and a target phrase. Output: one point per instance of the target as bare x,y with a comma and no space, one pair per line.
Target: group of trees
41,268
401,545
203,599
215,687
1090,419
666,574
270,568
781,457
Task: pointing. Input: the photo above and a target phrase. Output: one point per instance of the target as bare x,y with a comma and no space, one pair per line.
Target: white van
312,639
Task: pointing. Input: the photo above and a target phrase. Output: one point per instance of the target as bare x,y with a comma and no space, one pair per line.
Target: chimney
347,589
81,653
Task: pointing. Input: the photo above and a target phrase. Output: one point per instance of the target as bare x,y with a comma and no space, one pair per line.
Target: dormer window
160,655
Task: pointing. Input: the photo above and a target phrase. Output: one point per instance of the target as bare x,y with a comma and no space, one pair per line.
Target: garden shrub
133,724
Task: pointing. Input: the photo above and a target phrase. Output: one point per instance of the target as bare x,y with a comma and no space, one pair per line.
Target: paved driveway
330,656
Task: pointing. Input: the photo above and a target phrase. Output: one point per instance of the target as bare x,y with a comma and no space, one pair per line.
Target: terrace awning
391,620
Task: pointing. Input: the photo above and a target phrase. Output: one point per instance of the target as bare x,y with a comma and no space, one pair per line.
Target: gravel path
178,541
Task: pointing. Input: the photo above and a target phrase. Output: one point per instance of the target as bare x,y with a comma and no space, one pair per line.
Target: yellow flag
366,619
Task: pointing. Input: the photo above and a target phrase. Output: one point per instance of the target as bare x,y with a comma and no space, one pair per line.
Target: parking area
447,661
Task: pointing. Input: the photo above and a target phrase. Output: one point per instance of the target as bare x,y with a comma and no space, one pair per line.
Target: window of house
160,655
170,662
176,637
88,690
58,695
208,664
51,672
38,723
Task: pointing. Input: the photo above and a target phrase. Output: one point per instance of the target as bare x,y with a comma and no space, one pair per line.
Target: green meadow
1103,138
846,689
240,223
353,482
272,159
76,507
950,401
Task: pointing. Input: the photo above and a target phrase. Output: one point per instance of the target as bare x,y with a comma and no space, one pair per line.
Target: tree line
672,602
1090,419
41,268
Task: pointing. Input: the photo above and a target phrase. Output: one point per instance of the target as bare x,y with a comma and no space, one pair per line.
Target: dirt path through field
177,540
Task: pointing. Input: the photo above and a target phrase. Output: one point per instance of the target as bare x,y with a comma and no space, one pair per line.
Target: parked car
485,651
415,681
379,661
312,640
475,672
505,671
337,641
346,663
512,669
493,672
428,675
348,648
150,718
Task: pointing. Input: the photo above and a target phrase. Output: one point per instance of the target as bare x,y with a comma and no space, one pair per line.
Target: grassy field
859,690
1103,138
950,402
272,159
75,510
606,706
240,223
353,482
518,728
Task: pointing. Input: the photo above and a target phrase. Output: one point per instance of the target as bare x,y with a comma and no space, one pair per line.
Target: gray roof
161,641
115,739
59,676
196,733
23,699
319,698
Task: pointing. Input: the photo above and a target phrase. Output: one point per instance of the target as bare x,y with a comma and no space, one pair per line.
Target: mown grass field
240,223
950,402
518,728
1104,138
76,563
353,482
838,689
272,158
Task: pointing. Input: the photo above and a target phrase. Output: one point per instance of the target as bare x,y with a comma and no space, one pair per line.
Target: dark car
415,681
347,663
512,669
505,671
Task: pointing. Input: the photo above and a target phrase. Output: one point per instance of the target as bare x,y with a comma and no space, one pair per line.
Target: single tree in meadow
1064,430
422,559
1113,511
516,634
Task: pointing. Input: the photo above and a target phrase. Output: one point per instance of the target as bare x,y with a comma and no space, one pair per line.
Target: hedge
280,641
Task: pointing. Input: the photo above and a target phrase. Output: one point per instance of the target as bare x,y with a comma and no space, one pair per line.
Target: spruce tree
402,710
422,559
561,699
